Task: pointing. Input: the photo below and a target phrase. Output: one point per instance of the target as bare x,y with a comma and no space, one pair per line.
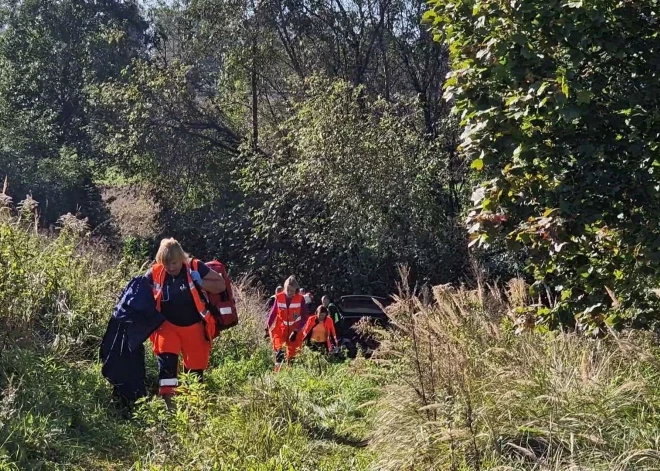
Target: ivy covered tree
561,106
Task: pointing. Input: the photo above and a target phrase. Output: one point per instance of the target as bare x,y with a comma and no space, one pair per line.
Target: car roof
362,305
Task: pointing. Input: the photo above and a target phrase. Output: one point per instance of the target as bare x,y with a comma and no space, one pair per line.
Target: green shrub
58,289
559,103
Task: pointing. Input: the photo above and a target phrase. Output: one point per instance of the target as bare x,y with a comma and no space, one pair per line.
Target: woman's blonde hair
291,281
171,251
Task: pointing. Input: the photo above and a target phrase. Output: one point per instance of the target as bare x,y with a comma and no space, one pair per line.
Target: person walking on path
319,331
334,313
271,300
286,319
177,284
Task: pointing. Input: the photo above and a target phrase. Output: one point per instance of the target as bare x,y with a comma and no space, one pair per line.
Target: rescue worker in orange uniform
188,324
319,331
286,319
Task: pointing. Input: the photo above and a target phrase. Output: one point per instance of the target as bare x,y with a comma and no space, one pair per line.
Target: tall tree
51,54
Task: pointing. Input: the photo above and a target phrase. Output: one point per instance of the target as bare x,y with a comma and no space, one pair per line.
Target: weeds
477,396
461,382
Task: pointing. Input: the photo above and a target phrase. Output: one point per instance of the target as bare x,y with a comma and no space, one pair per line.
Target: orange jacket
329,325
288,316
159,273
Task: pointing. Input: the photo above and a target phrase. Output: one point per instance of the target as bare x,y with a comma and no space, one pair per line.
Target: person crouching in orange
319,331
176,279
286,319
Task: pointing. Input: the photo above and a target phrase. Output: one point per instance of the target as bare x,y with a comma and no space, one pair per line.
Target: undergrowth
461,382
56,295
473,394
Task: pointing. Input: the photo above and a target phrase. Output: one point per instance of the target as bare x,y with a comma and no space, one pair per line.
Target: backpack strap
202,293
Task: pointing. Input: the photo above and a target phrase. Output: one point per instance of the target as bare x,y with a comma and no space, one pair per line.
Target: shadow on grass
332,436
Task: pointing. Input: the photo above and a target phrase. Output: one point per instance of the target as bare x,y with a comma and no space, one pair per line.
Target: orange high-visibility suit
191,338
320,332
285,322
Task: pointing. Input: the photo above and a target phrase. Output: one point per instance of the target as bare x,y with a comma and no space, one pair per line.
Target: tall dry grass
472,394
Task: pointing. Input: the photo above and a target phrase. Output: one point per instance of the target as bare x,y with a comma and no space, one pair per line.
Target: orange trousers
169,341
281,340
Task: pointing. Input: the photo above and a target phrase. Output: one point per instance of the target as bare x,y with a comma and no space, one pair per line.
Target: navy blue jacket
134,319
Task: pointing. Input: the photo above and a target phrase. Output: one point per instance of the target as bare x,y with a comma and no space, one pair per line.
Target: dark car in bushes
354,309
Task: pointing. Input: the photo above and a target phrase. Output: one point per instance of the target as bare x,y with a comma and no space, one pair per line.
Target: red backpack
223,305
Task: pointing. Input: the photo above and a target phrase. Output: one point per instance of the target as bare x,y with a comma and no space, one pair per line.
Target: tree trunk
255,94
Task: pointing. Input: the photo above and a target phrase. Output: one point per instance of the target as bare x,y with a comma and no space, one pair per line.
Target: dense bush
353,189
60,288
560,103
56,293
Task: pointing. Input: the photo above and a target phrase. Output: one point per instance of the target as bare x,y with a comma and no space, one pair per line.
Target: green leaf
584,97
569,114
477,165
519,38
517,151
429,16
542,88
564,87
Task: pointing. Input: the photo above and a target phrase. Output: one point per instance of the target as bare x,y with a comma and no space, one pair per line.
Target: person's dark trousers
318,347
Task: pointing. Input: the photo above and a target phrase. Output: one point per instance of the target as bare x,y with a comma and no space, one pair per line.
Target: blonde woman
188,324
286,319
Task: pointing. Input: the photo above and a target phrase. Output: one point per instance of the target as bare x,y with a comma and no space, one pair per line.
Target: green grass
299,419
56,414
454,386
